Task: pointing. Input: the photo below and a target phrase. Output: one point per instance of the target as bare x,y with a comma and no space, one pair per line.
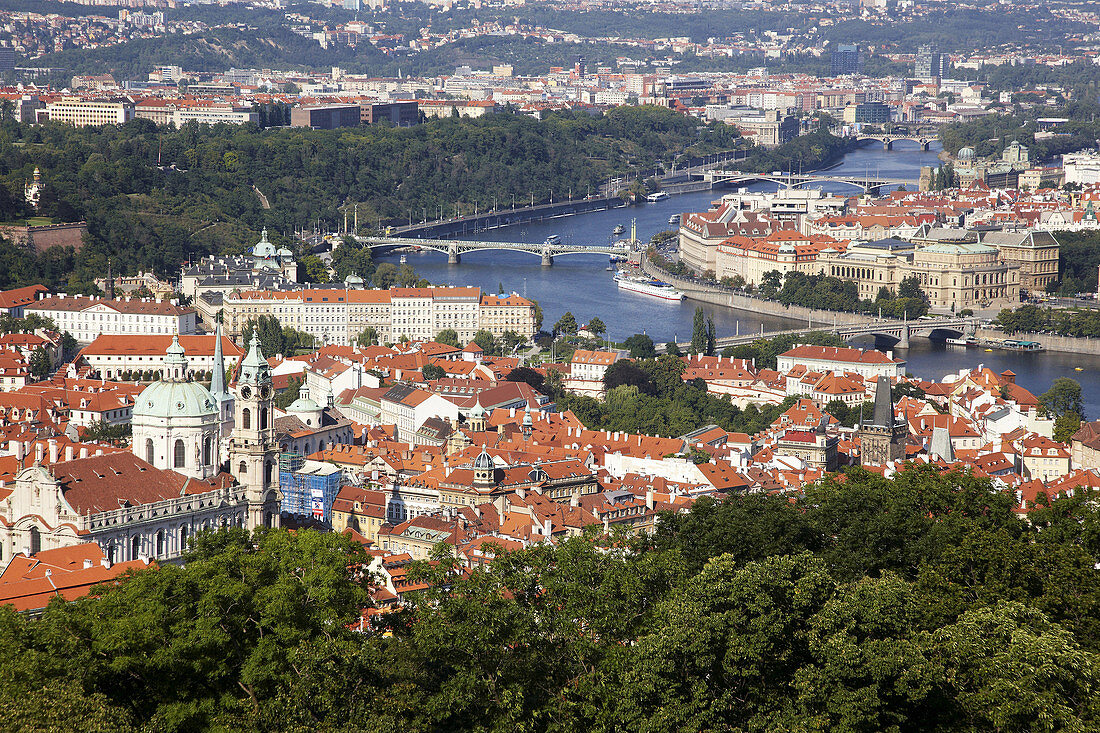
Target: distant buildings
89,113
86,317
846,59
931,63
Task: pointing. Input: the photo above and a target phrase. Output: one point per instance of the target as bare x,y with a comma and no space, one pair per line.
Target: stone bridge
887,332
455,248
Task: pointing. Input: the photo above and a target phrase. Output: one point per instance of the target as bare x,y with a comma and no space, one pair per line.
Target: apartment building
89,113
87,317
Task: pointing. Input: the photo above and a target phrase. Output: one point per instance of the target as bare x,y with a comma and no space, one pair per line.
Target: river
582,285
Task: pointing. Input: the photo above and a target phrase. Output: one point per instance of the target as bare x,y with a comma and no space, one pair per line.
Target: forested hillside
200,199
922,603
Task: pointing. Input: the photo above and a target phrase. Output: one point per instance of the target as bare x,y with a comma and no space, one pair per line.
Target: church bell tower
253,451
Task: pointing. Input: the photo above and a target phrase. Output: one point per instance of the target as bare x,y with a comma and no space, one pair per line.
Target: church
200,459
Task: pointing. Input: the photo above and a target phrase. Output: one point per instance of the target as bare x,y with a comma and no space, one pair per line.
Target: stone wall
41,238
1066,344
719,296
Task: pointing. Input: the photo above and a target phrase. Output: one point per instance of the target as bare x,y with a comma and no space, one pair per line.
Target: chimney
68,452
39,453
99,451
53,451
87,563
83,451
649,499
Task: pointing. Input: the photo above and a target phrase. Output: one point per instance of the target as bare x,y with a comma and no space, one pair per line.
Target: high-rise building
847,60
931,63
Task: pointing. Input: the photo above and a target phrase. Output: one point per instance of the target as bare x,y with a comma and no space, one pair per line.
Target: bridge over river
455,248
887,332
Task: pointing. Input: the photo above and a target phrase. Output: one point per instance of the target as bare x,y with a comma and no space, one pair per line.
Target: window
160,543
178,454
263,418
242,469
246,418
135,547
149,450
207,451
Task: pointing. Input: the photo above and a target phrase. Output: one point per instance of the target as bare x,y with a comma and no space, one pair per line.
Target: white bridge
797,180
455,248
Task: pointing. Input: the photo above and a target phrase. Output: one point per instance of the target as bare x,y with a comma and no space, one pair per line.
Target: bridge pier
903,343
547,259
887,144
453,258
924,145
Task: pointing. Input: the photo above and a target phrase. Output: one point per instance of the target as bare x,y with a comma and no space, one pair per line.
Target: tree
531,376
698,332
432,372
486,341
627,372
712,337
385,275
538,315
640,346
673,349
287,397
596,327
368,337
315,269
39,366
406,276
1066,425
910,287
567,324
1064,396
770,283
449,337
273,339
69,345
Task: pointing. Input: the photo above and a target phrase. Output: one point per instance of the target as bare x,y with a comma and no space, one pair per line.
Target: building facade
86,317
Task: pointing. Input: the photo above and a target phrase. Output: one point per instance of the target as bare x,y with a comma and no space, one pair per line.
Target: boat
646,286
1078,369
553,239
674,219
404,259
1014,345
618,230
655,197
968,341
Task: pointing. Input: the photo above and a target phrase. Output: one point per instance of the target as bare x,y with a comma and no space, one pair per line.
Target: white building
112,355
86,317
869,364
587,369
407,407
89,113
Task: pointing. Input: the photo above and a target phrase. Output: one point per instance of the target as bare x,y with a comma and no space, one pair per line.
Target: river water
581,283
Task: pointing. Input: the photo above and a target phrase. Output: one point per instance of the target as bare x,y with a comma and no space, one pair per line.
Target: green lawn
34,221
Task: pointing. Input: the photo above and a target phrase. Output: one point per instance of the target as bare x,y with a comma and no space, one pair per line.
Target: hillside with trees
918,603
155,197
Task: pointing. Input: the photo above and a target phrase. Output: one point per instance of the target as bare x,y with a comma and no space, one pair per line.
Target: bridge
887,332
455,248
889,138
797,180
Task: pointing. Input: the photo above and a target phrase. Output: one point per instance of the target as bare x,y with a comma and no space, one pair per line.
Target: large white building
869,364
338,316
89,113
86,317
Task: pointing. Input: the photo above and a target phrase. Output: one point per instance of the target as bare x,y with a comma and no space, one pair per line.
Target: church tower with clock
253,451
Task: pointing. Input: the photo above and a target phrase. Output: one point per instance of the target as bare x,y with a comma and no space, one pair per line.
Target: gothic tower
882,438
253,452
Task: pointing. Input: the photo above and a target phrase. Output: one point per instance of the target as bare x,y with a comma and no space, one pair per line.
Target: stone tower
253,451
882,438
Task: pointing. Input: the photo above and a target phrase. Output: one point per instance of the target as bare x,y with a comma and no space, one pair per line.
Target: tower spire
217,374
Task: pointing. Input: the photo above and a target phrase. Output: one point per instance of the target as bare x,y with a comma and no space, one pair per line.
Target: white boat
655,197
553,239
618,230
674,219
404,259
645,286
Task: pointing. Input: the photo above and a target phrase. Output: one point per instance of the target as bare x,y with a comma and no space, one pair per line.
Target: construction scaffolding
308,487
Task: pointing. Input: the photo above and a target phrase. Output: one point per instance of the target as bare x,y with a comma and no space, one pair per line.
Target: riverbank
1050,342
694,290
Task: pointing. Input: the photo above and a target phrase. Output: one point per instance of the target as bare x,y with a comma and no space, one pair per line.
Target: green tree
770,283
448,336
39,366
596,327
567,324
286,398
627,372
385,276
367,337
712,337
486,341
673,349
531,376
1064,396
1066,425
314,268
698,332
406,276
432,372
640,346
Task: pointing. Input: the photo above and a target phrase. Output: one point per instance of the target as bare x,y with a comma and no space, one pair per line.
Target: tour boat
956,342
618,230
645,286
553,239
655,197
674,219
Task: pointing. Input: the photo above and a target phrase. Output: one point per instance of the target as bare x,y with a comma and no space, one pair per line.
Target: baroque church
199,459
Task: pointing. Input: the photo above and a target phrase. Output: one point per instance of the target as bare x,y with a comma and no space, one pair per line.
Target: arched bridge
889,138
455,248
797,180
886,332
